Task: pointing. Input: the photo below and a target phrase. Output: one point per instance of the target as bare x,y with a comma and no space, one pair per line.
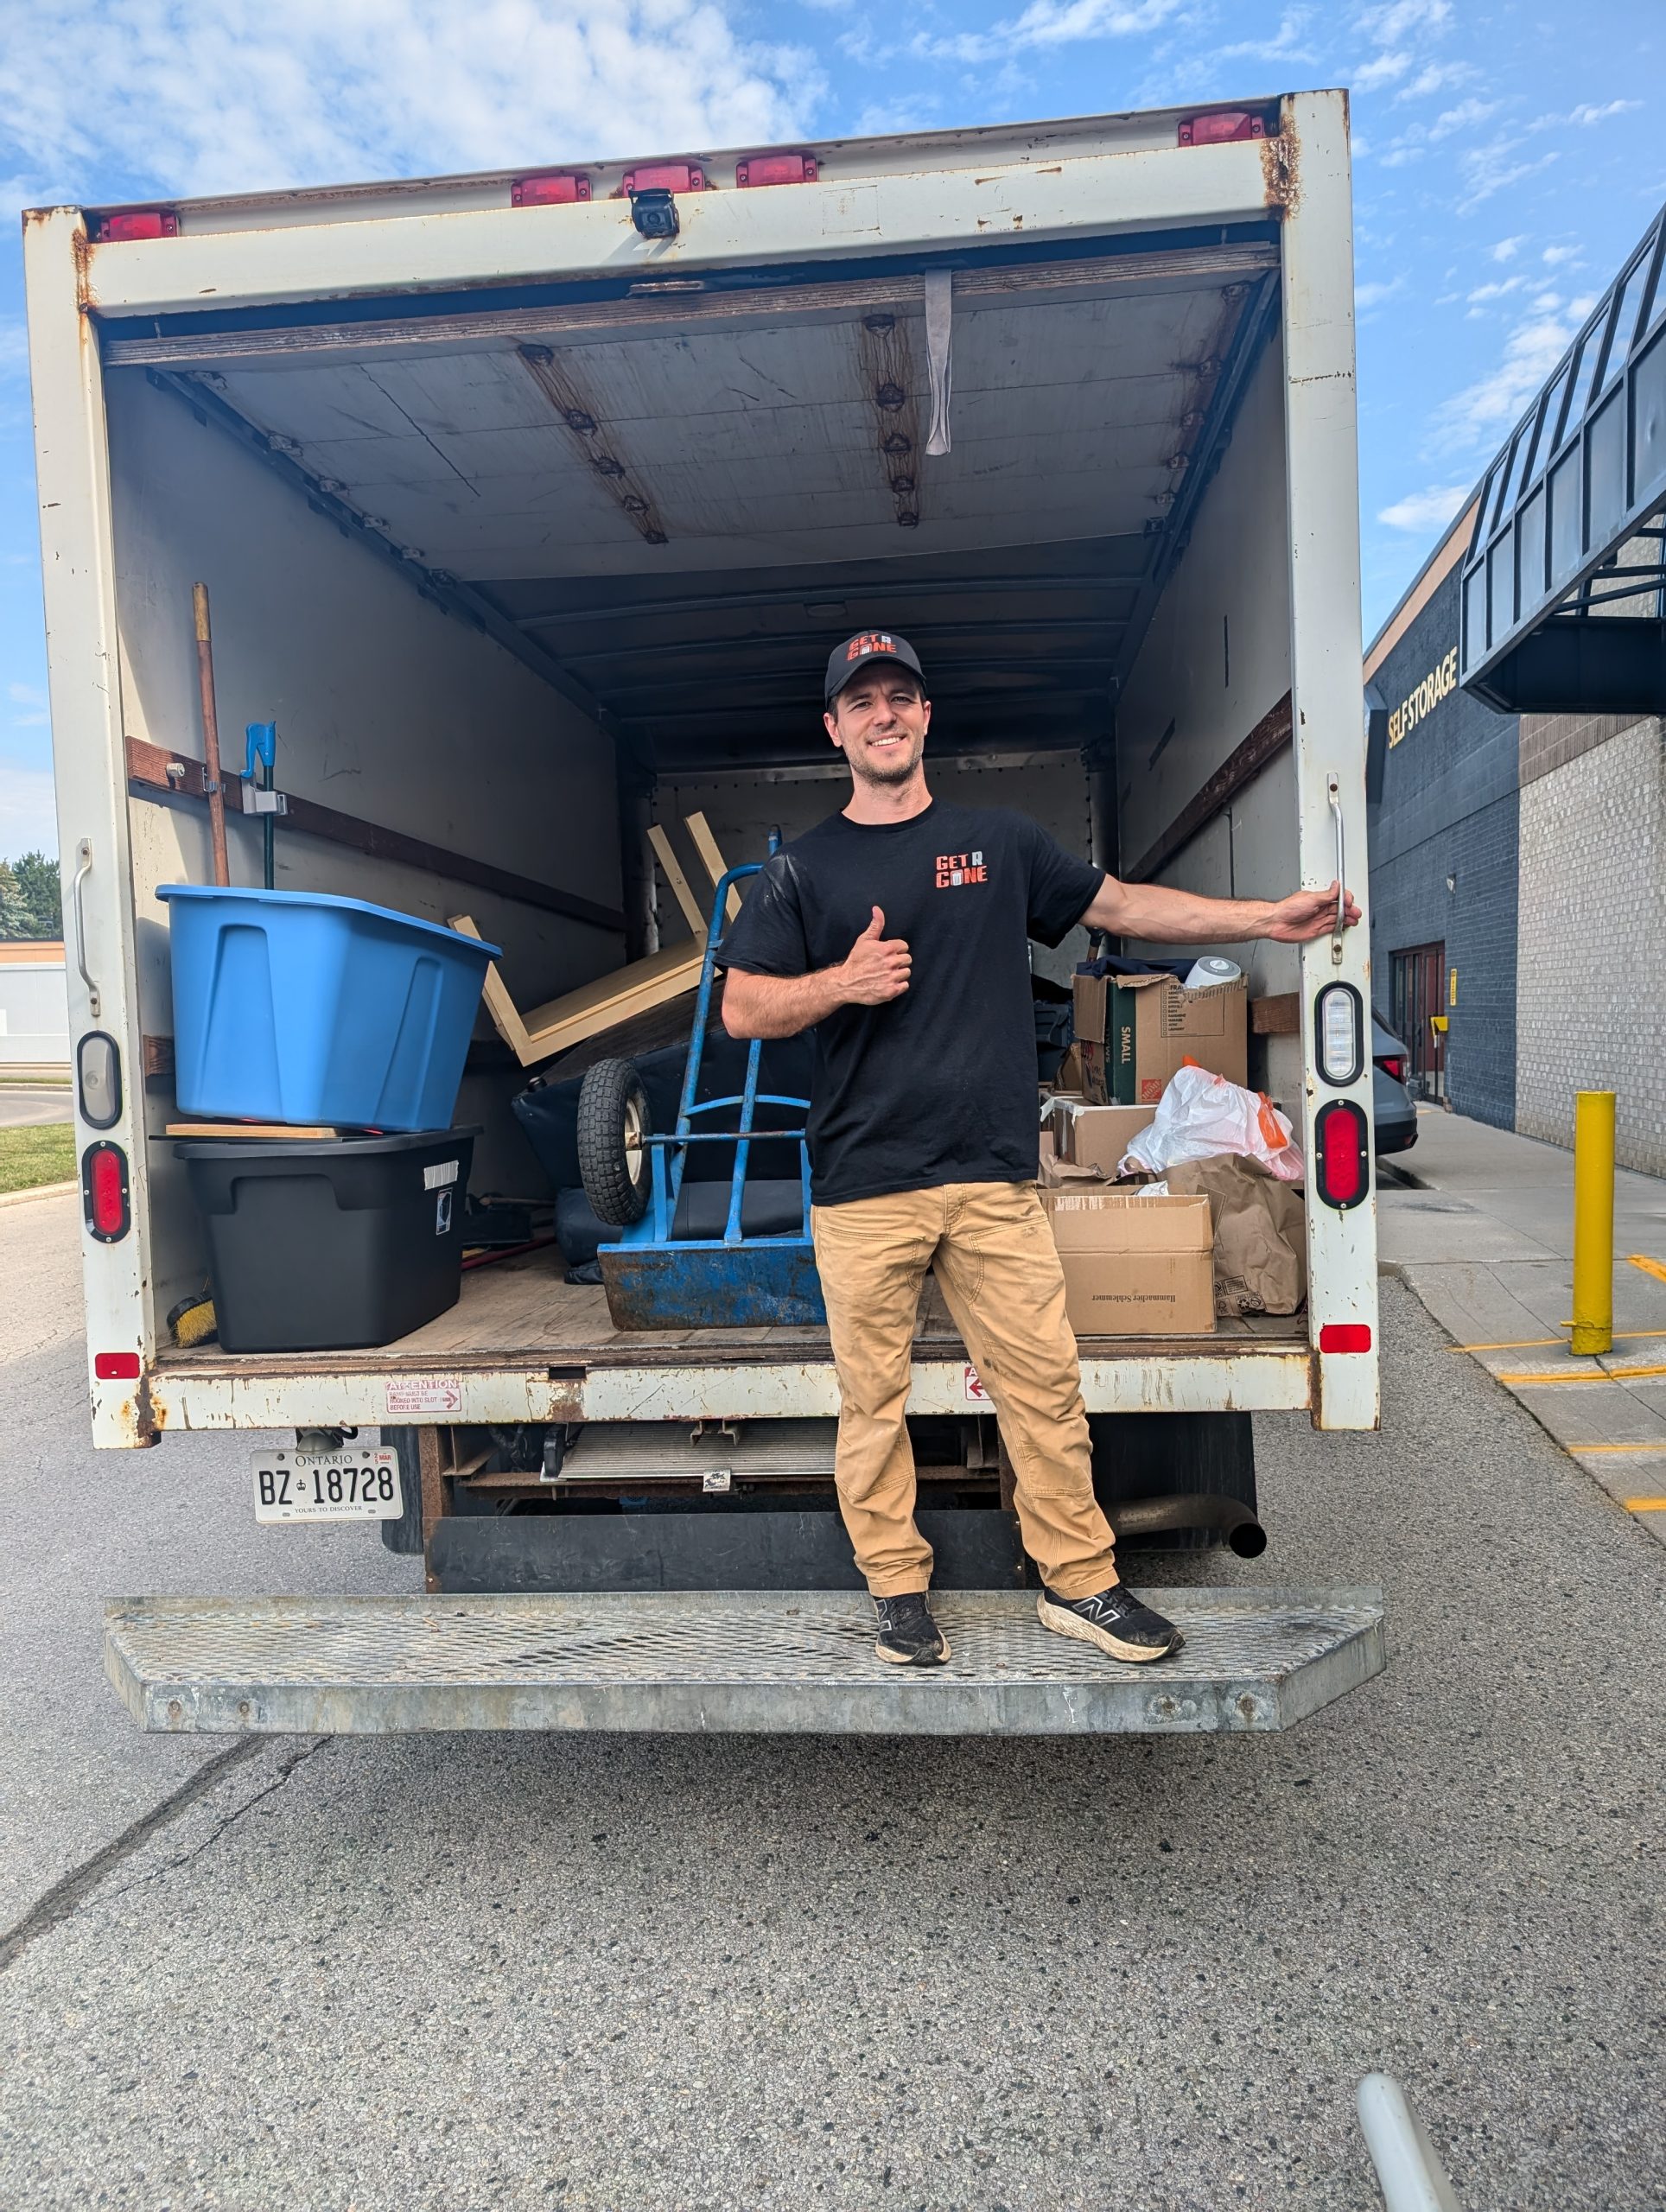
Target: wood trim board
149,777
1265,742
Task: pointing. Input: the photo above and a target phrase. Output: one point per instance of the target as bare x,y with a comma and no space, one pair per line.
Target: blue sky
1506,157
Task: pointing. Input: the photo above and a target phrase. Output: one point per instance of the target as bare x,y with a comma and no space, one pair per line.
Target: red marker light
137,223
1345,1336
105,1192
775,169
1341,1163
564,189
117,1366
1221,130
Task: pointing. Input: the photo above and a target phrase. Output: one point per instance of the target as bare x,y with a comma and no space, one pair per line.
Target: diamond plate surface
754,1661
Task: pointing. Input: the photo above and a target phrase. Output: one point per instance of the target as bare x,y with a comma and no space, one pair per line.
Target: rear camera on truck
654,212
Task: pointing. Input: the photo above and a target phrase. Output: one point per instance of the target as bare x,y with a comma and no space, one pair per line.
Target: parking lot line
1645,1505
1600,1374
1649,1266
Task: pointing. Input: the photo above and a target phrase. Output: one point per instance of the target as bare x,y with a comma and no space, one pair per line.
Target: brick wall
1591,990
1449,808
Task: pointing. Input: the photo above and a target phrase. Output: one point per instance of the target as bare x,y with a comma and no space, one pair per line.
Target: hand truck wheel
614,1159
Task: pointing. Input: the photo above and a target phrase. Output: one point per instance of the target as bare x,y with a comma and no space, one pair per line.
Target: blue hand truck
662,1274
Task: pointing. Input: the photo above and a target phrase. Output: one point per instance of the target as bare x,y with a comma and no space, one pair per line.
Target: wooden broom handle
210,734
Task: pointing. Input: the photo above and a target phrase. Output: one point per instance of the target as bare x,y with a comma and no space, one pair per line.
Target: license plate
326,1486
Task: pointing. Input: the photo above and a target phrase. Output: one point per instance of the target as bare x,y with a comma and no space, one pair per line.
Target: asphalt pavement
606,1972
21,1106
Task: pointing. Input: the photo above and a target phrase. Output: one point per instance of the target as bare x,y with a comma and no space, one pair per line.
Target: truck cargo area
591,554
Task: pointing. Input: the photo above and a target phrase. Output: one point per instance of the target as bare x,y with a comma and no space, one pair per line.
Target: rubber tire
1173,1455
404,1535
610,1103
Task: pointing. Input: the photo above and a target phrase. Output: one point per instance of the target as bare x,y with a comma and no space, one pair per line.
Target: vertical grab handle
83,865
1333,791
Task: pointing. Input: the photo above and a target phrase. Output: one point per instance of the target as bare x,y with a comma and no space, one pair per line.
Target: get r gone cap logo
869,641
956,868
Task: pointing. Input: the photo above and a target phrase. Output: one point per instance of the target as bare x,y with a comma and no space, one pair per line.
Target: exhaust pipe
1150,1516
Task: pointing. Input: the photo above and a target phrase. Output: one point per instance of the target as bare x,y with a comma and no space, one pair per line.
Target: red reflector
117,1366
103,1191
665,176
561,190
1219,130
1343,1168
775,169
1345,1336
137,223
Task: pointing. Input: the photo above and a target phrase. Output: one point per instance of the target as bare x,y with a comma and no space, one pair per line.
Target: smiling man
897,930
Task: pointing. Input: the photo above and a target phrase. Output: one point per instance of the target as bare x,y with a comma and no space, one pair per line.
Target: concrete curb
40,1191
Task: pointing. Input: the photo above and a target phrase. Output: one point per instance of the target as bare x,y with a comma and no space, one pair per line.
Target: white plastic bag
1201,1116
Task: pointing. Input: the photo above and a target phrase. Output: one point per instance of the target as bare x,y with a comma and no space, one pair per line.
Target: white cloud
1425,511
28,812
1507,249
1434,77
1373,294
1387,24
1587,113
1384,70
1491,170
1496,291
1554,256
1050,24
1484,411
1461,116
234,95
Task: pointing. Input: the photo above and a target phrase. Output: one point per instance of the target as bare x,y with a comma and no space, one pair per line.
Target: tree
41,889
13,913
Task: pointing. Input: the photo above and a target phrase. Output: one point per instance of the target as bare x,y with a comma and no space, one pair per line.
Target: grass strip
32,1156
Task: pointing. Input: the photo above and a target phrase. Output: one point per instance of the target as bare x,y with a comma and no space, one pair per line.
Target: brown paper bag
1261,1233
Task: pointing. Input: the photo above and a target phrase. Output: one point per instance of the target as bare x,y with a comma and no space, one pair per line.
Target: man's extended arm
1154,911
875,969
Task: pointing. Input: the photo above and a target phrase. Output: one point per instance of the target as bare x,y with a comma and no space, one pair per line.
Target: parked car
1392,1105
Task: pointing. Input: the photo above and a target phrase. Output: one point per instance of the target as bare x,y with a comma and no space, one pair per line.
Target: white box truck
529,507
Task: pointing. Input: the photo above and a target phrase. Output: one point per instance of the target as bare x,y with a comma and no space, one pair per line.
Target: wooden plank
638,1034
712,858
678,883
1280,1016
150,769
638,988
157,1054
1128,273
1265,742
283,1132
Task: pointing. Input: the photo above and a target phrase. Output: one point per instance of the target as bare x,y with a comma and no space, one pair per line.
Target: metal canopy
776,1662
1563,581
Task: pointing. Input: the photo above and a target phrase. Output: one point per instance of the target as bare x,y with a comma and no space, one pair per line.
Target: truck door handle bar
1333,790
84,862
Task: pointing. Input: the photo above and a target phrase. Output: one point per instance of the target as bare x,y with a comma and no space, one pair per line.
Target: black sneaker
1113,1619
908,1636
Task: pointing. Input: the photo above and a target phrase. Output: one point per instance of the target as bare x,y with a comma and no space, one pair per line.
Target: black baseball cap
856,652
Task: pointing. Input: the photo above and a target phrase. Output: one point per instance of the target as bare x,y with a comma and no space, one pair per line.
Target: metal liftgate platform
770,1663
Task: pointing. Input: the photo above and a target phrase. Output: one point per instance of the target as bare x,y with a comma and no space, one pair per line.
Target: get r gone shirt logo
956,868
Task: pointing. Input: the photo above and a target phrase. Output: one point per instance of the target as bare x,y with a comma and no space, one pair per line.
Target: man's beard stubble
897,770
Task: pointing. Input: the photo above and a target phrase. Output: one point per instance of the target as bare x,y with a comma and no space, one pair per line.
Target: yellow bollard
1593,1222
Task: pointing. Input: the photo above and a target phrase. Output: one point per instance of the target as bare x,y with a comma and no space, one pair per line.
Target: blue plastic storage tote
293,1005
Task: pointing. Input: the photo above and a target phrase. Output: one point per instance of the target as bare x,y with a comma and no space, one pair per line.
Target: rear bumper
780,1663
1242,1373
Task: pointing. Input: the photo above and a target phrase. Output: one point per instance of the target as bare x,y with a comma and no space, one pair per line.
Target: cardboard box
1135,1032
1057,1174
1134,1267
1097,1136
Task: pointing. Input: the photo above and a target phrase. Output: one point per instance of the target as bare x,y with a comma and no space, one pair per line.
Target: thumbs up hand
877,967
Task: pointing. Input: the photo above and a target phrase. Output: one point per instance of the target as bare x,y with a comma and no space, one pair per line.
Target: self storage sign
1435,685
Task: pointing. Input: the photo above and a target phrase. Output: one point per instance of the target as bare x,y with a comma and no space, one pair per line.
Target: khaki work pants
992,1251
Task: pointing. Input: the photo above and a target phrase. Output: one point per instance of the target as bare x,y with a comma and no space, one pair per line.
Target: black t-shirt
938,1086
